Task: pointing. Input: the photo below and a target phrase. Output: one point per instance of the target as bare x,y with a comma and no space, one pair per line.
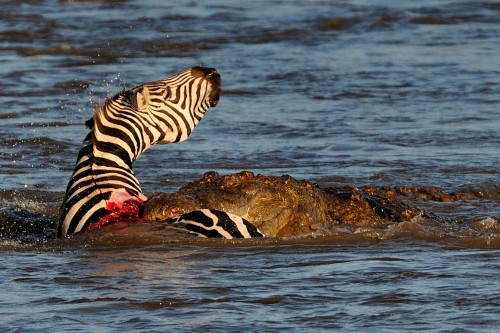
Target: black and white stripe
126,125
216,224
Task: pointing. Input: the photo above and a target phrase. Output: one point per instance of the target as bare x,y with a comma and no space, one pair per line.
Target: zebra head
162,111
175,105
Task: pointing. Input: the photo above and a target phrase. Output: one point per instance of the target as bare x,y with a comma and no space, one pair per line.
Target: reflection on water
358,93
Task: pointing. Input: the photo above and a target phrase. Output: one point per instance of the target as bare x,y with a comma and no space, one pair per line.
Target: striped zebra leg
212,223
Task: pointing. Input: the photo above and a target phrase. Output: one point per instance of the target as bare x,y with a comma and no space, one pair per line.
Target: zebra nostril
215,80
215,96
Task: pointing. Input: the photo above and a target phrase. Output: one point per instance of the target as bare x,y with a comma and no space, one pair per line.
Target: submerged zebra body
103,186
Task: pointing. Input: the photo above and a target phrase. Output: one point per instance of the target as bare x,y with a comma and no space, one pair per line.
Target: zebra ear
142,99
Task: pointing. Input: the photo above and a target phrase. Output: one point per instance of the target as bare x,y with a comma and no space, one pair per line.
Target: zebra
103,186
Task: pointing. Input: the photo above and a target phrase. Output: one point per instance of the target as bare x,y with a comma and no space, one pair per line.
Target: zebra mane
126,95
90,123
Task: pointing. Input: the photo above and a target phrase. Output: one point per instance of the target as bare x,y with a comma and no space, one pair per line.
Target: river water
356,93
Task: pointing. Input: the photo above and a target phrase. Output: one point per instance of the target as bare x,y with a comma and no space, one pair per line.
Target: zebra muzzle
215,80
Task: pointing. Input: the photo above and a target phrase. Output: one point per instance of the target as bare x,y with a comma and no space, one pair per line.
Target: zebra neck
116,145
114,154
108,166
111,155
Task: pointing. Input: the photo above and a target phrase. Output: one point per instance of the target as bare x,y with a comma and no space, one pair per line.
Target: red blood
121,205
